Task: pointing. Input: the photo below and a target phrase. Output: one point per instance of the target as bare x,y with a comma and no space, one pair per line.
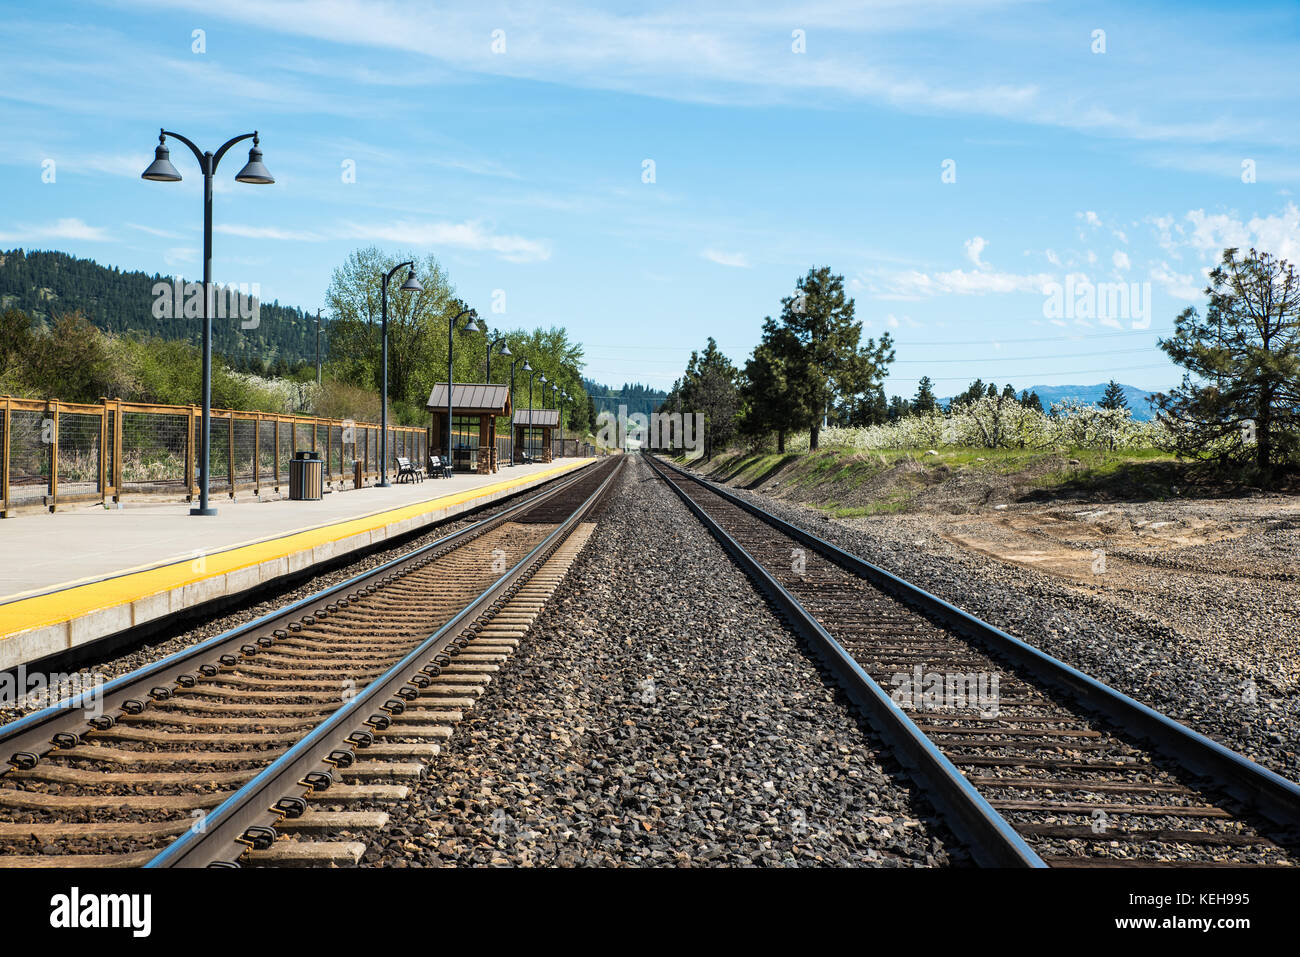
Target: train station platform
77,576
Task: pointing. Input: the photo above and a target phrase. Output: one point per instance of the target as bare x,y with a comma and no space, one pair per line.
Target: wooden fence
54,453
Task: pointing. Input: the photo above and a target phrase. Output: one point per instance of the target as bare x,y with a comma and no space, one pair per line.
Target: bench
405,469
439,465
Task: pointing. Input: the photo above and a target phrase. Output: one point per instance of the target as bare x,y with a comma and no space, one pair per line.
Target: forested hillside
44,284
637,397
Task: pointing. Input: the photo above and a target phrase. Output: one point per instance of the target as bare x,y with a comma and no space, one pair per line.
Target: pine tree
829,362
770,401
1114,397
709,387
1246,356
925,400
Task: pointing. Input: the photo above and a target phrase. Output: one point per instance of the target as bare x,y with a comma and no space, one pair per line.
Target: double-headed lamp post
161,170
527,368
472,323
555,394
411,285
504,352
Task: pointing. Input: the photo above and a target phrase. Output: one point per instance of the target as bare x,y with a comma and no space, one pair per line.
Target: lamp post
542,379
528,446
555,394
451,327
411,285
161,170
527,368
564,396
503,351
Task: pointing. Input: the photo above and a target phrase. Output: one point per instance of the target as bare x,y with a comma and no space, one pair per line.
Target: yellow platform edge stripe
56,607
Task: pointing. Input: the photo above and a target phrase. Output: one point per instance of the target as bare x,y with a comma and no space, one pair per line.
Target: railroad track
268,742
1032,762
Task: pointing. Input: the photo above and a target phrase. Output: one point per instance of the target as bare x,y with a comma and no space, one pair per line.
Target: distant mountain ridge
43,284
1138,399
635,396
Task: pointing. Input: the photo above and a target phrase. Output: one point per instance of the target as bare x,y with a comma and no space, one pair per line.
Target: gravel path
1215,652
660,714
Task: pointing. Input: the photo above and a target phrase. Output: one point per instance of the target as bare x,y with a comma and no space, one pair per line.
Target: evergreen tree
771,400
1245,356
1030,400
828,362
709,387
1114,397
975,390
925,400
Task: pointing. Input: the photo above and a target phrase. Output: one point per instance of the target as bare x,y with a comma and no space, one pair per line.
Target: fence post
191,480
257,454
329,449
53,406
117,451
230,452
275,455
103,441
4,466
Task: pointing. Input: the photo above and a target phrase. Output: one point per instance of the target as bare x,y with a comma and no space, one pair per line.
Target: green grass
895,504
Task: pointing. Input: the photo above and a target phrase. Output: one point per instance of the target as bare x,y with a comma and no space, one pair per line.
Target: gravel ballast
180,637
1203,650
659,713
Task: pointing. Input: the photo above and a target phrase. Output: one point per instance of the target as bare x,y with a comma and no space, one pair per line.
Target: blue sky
521,167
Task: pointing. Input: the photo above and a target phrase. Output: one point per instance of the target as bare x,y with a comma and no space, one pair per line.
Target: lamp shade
504,350
254,170
412,284
161,169
527,367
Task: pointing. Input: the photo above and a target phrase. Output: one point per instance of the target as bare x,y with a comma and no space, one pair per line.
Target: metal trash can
306,477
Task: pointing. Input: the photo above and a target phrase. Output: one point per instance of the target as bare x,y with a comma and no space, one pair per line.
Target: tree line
47,284
1238,402
65,353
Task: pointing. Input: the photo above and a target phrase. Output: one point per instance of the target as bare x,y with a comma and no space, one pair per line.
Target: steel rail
1265,791
1256,787
993,841
265,800
28,739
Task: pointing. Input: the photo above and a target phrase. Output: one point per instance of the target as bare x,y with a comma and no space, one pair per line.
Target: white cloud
1210,233
1178,285
738,260
154,231
70,228
1089,217
1052,258
914,284
974,247
269,232
1120,260
466,235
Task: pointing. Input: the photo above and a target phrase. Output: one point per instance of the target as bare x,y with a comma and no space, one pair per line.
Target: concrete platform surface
79,575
